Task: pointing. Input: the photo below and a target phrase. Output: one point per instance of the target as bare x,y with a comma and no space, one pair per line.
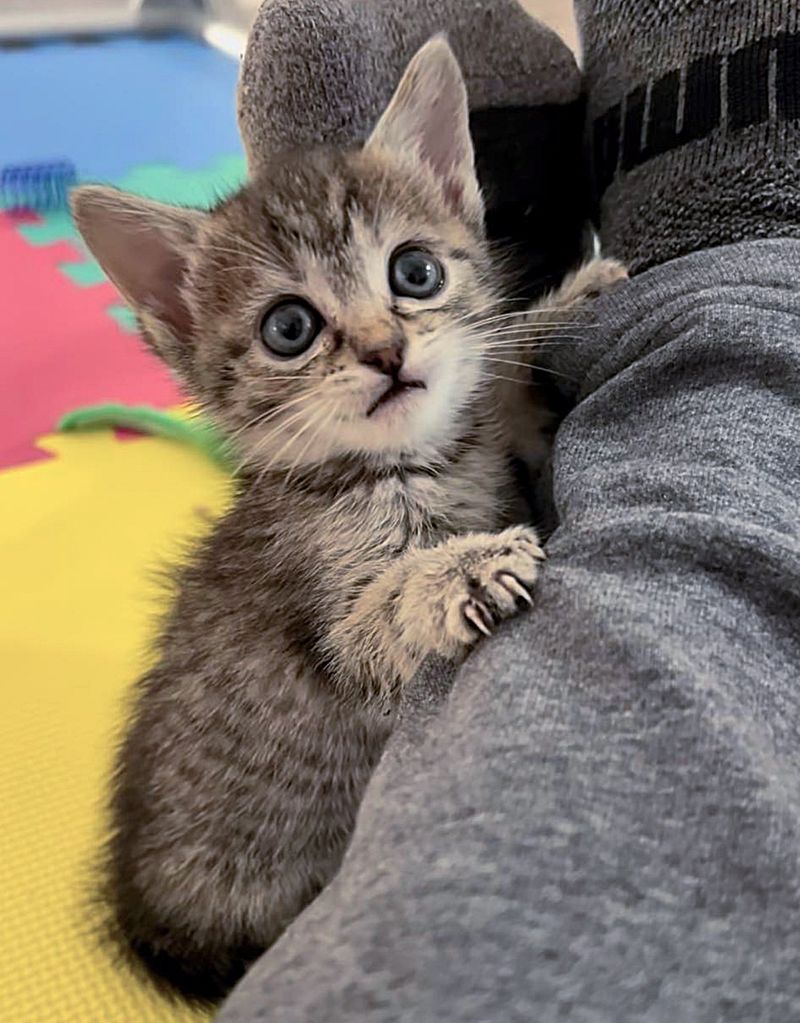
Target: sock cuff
717,94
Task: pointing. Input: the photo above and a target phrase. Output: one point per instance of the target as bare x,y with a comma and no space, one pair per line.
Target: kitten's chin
418,419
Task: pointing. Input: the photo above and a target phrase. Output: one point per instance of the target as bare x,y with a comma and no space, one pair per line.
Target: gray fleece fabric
598,819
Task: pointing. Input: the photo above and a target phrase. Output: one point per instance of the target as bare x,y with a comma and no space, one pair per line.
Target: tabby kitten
336,318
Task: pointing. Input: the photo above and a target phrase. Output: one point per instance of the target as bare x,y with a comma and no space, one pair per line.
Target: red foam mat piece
59,349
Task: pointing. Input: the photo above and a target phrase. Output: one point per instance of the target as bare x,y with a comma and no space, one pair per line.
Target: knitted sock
322,71
694,122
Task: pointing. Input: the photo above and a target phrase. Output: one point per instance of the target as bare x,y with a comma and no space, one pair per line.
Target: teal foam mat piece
83,274
122,315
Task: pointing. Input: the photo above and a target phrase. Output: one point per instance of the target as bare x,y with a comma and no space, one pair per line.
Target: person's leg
600,822
694,109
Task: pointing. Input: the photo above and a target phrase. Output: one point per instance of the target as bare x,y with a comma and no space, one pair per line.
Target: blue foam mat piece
116,103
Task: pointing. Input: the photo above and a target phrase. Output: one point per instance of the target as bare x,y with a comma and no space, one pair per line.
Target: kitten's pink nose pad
387,359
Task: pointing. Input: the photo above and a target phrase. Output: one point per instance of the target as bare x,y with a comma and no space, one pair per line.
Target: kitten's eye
415,274
290,327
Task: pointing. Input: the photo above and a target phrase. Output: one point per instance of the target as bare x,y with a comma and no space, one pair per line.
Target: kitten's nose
388,358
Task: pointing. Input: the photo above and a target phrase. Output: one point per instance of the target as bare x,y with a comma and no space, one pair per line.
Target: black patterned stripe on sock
755,84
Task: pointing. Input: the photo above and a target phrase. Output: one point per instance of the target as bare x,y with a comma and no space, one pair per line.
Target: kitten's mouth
396,389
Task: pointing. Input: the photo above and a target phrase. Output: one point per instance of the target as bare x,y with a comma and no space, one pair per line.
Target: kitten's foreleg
432,600
530,422
589,281
582,285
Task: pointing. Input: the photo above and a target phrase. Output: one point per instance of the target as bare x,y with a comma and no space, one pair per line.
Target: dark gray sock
694,122
321,71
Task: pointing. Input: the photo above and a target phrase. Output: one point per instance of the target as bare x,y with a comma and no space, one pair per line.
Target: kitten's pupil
415,274
289,328
293,328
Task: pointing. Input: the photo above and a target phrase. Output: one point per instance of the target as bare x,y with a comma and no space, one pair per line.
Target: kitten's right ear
143,246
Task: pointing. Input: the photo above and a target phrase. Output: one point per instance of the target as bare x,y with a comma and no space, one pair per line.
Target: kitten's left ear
144,248
428,116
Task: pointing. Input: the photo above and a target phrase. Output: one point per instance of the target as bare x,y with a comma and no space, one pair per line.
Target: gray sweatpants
599,820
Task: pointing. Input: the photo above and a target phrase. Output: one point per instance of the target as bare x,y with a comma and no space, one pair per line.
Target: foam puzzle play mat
87,515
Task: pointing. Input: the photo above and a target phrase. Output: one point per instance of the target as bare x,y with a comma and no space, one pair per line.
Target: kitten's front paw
495,583
592,280
477,582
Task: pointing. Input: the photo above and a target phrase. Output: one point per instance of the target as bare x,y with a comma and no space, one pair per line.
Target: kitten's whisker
510,380
326,453
476,319
514,329
524,332
472,319
321,426
287,376
534,329
533,309
293,438
515,333
282,424
272,412
522,342
532,366
509,362
268,437
532,314
314,421
553,372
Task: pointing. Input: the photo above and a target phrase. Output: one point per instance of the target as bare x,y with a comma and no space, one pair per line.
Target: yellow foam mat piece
80,536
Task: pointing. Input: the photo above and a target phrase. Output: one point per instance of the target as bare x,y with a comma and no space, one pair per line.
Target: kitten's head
329,307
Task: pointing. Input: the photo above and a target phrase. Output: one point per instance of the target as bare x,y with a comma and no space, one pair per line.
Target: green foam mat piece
195,430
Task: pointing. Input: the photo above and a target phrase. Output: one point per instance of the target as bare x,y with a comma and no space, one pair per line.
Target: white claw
474,616
513,585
